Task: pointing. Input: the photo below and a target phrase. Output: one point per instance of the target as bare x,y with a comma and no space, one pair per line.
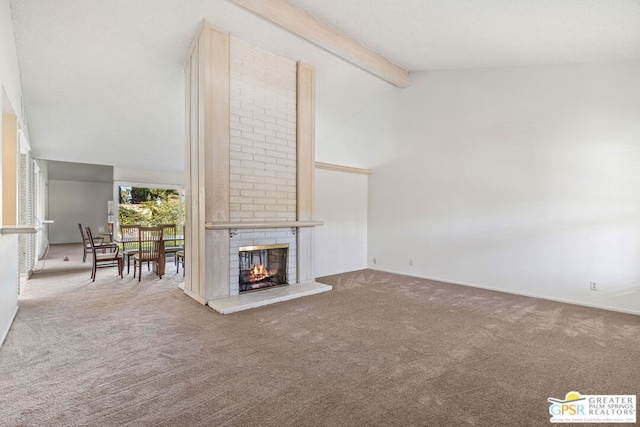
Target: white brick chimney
250,163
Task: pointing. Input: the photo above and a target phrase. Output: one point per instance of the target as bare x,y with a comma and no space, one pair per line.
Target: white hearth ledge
264,297
218,225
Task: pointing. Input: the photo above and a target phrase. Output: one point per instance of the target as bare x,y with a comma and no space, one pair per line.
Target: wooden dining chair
87,246
110,231
180,254
180,260
149,250
129,236
110,256
171,244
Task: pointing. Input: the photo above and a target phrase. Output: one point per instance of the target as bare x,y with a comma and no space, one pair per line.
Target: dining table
163,256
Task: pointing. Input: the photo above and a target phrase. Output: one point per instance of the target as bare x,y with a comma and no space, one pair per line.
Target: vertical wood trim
207,165
9,169
193,123
195,193
218,126
306,130
217,166
187,171
203,77
305,255
220,268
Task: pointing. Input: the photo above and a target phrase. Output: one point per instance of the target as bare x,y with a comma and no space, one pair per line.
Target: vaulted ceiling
103,80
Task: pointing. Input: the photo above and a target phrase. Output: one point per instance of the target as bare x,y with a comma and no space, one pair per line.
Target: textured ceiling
440,34
103,80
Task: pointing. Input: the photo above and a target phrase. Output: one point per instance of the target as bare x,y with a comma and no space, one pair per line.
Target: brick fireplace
261,267
250,149
265,237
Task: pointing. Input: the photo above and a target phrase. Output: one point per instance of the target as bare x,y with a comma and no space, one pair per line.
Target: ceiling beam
306,26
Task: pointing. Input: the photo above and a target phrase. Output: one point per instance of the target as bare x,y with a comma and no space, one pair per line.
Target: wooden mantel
219,225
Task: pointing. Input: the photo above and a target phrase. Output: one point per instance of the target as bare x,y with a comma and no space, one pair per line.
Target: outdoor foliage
135,195
159,207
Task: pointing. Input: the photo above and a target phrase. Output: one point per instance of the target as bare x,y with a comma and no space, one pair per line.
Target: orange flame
259,272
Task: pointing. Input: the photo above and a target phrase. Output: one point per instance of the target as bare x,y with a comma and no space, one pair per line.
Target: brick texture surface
263,135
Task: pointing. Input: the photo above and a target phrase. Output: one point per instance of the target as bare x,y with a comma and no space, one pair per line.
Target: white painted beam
306,26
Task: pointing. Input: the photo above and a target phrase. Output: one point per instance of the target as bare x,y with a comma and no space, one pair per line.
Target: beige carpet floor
379,350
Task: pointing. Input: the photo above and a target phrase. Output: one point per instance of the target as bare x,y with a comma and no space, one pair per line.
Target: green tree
140,195
148,206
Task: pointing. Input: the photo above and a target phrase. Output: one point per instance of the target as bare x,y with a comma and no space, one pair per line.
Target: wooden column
306,131
9,169
207,165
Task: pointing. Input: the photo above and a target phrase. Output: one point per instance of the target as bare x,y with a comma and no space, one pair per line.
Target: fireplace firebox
262,266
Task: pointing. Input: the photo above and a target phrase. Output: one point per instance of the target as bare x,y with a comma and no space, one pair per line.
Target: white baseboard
508,291
5,333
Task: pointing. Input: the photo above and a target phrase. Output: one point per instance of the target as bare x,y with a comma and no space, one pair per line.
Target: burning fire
259,272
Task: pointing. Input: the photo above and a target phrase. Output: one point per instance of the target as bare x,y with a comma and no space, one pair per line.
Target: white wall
9,73
524,180
151,177
8,282
73,202
341,202
41,192
369,138
10,82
